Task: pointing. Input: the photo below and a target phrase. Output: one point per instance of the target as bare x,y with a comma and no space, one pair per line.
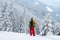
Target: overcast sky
55,3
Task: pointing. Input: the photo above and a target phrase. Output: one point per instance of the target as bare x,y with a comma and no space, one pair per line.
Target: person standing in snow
32,24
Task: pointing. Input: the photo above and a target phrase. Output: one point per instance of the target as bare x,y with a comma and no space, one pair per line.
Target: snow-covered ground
22,36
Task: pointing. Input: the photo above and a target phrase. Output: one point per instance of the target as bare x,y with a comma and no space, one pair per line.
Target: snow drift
22,36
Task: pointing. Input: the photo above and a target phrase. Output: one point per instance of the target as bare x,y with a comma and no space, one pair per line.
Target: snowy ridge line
25,7
36,8
31,9
22,5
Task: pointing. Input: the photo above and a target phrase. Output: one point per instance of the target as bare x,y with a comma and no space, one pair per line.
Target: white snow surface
22,36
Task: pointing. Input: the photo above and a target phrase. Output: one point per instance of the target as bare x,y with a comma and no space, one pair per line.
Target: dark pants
32,31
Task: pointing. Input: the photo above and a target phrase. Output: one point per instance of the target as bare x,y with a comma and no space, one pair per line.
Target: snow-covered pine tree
8,20
37,29
22,22
47,25
2,16
13,18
